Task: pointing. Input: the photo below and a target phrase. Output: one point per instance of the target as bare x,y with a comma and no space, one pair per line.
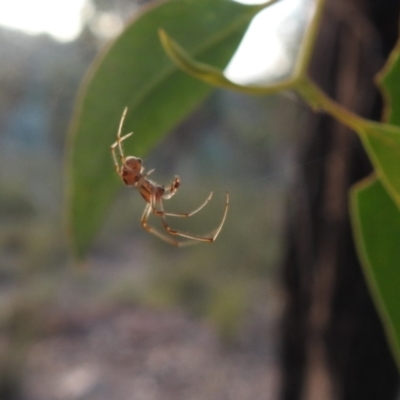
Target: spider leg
159,234
169,192
116,164
119,145
150,172
121,122
209,238
188,214
119,141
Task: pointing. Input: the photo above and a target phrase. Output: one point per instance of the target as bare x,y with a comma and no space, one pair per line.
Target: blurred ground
140,353
92,342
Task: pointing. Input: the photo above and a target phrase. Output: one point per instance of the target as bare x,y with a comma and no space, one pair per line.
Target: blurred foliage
20,324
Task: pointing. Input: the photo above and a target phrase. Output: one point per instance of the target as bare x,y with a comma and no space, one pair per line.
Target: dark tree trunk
334,346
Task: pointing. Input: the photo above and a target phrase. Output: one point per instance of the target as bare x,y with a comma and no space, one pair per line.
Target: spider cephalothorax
131,170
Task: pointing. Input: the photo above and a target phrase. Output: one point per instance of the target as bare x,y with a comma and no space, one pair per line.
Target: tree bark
334,346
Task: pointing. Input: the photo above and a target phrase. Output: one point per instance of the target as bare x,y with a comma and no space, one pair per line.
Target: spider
132,172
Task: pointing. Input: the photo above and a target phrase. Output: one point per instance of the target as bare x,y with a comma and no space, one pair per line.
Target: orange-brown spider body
132,172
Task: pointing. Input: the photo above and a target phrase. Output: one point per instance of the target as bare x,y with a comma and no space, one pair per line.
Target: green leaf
210,74
375,206
214,76
134,71
388,80
382,142
376,226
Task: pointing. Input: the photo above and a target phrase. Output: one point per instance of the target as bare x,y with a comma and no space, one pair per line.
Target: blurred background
141,320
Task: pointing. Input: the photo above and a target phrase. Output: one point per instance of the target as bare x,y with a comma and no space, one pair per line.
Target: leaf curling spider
132,172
